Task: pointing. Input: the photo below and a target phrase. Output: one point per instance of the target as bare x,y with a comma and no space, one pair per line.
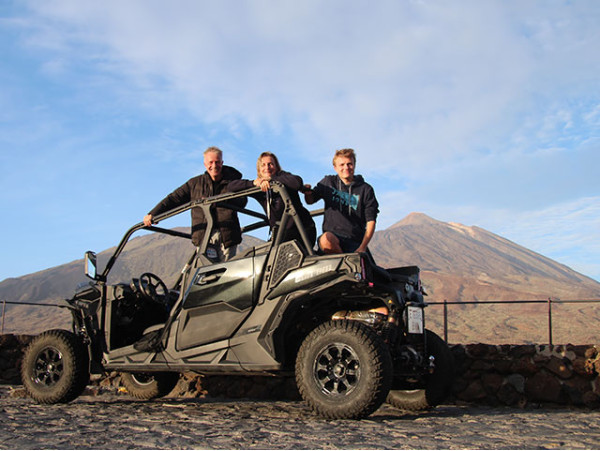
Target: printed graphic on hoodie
345,198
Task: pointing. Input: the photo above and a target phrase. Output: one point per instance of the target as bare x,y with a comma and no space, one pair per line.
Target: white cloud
427,77
465,110
428,82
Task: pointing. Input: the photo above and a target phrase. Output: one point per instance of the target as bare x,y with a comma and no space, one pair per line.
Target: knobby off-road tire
149,385
343,370
437,385
55,367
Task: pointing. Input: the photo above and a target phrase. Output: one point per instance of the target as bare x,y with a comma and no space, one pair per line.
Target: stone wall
518,375
11,352
514,375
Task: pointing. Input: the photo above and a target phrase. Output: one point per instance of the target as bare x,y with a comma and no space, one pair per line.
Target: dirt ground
116,421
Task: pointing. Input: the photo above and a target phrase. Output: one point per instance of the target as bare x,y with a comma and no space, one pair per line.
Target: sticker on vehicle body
211,253
415,320
310,273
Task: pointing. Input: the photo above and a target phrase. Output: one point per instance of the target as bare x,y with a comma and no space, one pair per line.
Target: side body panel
219,299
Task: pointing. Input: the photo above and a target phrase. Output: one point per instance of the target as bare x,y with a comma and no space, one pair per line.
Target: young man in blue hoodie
351,207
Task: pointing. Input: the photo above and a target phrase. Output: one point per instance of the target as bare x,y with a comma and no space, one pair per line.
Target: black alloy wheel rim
337,370
49,367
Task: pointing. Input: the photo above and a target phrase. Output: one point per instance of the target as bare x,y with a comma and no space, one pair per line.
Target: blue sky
482,113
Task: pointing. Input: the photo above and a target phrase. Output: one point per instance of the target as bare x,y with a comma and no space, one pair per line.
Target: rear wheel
343,370
55,367
435,387
149,385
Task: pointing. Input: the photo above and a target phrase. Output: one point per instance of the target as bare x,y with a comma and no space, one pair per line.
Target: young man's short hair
348,153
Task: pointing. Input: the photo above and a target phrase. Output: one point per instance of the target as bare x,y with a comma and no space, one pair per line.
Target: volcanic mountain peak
415,218
421,219
468,257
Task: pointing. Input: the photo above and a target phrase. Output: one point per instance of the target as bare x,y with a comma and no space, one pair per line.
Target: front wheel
55,367
149,385
343,370
435,386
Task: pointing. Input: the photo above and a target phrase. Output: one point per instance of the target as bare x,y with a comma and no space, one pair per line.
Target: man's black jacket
200,187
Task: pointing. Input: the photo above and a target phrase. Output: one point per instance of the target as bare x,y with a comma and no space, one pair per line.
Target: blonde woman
267,169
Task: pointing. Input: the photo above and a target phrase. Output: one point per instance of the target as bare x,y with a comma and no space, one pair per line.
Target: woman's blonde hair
267,154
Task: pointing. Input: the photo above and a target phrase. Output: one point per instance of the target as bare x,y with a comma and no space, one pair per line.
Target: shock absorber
390,327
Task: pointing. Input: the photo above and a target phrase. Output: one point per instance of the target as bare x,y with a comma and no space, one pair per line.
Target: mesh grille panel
288,257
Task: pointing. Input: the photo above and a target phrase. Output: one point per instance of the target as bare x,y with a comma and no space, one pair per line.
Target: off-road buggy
277,308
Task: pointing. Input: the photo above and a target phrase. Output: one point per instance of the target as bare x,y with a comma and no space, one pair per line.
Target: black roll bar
222,201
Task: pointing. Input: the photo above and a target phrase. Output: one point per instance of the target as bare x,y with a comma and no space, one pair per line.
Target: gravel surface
116,421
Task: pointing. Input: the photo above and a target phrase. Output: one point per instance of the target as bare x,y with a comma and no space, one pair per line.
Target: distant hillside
156,253
470,263
461,264
458,263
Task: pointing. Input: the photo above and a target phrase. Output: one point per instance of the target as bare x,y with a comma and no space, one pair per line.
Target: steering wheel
152,287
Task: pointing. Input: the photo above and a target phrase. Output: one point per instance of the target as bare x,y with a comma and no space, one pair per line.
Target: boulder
559,366
543,387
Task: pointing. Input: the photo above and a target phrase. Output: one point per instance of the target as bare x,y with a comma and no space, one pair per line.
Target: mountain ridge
458,263
452,249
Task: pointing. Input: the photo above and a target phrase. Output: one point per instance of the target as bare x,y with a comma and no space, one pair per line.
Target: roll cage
221,200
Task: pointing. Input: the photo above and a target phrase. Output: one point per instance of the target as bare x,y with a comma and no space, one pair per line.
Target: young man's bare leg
329,243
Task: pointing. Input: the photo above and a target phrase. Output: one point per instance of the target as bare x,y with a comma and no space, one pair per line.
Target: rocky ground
110,420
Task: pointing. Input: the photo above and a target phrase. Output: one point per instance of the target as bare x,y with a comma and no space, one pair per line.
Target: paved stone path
114,421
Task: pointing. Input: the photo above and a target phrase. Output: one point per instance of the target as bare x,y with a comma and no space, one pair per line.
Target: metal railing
548,302
43,304
444,304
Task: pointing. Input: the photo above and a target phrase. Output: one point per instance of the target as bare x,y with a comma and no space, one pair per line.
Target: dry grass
517,323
